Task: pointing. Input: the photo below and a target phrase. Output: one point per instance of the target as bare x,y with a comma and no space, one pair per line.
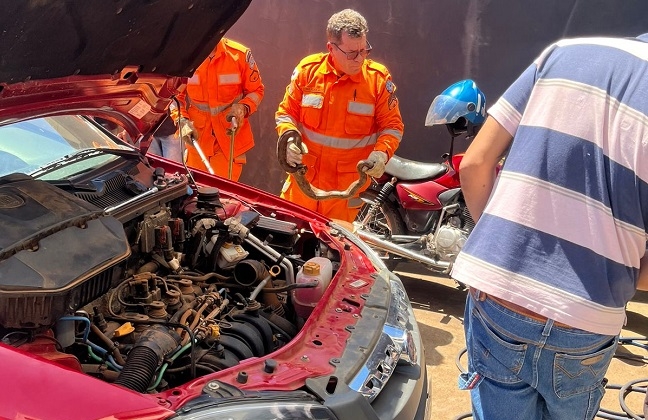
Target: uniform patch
294,73
254,76
250,60
392,101
390,86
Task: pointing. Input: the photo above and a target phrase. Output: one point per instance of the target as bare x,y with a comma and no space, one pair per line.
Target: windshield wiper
82,155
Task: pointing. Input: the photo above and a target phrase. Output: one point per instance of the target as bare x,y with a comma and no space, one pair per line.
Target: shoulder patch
250,60
294,73
390,86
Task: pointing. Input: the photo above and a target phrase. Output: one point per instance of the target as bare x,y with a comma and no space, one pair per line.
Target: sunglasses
352,55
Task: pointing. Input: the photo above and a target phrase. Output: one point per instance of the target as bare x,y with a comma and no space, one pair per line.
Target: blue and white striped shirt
565,226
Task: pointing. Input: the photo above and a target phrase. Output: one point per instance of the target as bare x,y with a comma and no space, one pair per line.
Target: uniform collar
327,67
218,49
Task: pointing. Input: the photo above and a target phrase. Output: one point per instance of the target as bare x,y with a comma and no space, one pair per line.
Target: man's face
348,47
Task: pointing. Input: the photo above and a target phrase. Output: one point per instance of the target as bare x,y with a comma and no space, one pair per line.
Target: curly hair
348,21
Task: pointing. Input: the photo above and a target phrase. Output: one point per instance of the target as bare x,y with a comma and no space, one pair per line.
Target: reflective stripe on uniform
229,79
338,142
206,108
283,119
254,97
393,133
312,101
360,108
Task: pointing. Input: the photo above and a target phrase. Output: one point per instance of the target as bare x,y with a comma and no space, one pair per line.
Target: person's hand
238,111
123,135
187,130
379,159
294,153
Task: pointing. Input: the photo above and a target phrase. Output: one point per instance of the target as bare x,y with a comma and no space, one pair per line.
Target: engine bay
143,279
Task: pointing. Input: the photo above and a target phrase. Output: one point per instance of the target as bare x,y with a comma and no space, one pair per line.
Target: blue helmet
461,106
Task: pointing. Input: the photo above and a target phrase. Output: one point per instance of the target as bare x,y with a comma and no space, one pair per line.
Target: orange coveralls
341,119
229,75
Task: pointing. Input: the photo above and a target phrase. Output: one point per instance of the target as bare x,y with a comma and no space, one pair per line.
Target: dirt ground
438,305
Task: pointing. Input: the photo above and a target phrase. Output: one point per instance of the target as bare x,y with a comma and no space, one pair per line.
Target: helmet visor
446,109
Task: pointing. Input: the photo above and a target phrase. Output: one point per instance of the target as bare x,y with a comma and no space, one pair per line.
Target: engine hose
110,361
111,346
165,366
147,354
199,277
140,369
192,339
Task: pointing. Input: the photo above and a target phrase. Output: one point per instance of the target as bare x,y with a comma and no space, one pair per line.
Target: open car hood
121,60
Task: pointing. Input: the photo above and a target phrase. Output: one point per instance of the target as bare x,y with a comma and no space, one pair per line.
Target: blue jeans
521,368
167,146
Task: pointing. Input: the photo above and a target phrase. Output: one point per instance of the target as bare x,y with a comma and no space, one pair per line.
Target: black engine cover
57,252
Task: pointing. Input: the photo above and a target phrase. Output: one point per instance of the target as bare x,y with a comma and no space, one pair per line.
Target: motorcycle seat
412,170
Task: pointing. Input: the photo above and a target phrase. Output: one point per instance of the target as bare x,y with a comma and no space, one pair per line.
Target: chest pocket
229,86
311,109
359,118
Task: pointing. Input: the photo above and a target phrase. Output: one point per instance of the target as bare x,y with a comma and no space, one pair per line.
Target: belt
481,296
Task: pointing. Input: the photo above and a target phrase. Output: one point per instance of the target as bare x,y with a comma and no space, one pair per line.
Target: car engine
143,279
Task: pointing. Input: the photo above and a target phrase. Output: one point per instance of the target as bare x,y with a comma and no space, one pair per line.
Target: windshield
28,146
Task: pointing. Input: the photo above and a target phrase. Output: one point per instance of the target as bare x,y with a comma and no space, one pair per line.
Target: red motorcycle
416,211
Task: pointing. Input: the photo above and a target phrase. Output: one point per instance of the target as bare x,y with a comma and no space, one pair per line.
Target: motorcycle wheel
385,222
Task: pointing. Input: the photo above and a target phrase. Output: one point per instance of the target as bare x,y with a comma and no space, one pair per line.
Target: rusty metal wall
427,45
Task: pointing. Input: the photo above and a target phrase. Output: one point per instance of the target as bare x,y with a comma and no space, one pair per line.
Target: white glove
187,130
379,159
294,154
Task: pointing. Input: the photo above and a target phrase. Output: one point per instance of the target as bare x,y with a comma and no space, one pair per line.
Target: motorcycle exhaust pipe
371,239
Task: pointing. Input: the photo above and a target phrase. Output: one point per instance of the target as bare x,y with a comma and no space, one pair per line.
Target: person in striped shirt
560,242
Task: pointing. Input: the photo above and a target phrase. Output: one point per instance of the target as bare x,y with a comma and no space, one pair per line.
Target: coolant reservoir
316,270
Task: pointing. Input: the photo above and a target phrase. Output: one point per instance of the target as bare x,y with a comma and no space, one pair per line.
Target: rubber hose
147,355
139,370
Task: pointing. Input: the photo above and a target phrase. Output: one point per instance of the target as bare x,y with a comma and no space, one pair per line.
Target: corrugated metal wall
427,45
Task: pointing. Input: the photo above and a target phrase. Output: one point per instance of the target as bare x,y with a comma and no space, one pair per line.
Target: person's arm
642,281
289,110
253,87
388,117
477,170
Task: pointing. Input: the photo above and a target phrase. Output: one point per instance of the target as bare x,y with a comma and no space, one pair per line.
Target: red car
134,288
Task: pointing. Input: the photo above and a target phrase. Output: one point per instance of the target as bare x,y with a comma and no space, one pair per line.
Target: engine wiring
624,390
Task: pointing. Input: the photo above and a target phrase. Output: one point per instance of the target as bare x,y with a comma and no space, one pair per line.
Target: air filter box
57,252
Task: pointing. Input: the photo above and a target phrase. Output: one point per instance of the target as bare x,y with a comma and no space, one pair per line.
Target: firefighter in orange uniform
346,110
227,84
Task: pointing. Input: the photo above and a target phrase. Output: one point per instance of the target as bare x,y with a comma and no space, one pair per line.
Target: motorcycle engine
448,240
